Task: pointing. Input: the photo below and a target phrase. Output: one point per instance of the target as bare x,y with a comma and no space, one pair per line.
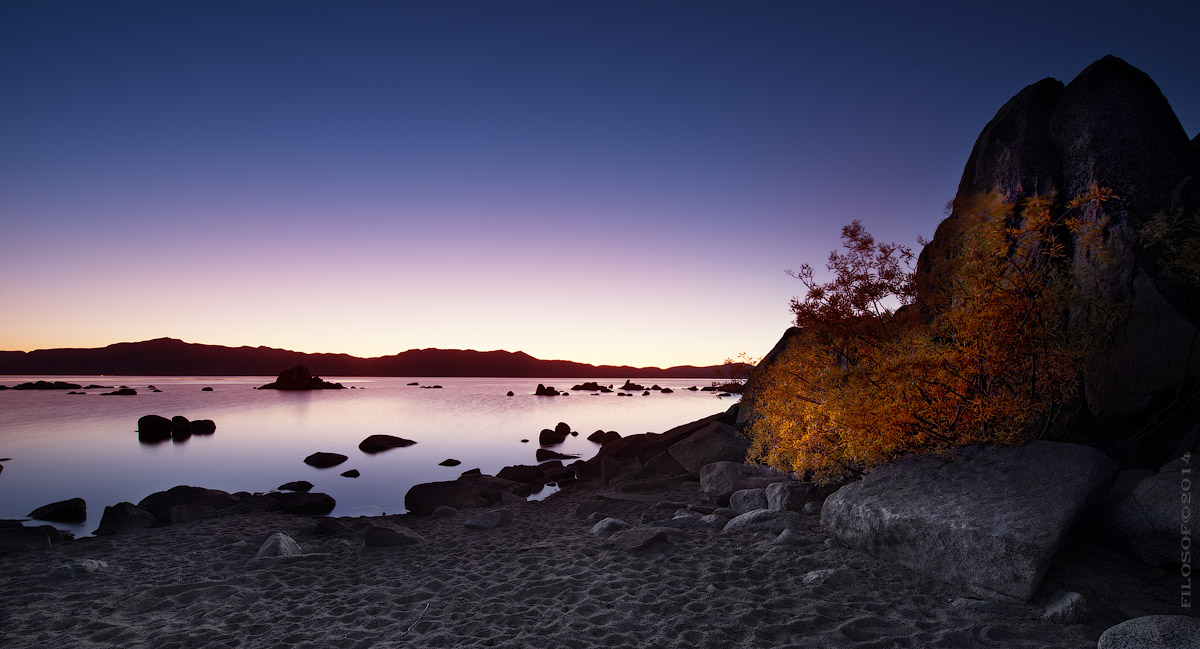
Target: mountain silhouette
172,357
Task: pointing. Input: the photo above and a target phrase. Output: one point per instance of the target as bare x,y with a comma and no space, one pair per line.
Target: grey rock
1150,519
382,534
994,515
640,538
124,517
278,545
817,576
714,521
812,509
716,442
764,520
748,500
721,479
793,496
1153,632
489,520
1066,607
608,526
78,568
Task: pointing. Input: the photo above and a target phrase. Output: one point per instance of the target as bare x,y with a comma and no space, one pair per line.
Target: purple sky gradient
607,182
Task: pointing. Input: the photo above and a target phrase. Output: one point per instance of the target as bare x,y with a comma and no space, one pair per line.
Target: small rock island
299,378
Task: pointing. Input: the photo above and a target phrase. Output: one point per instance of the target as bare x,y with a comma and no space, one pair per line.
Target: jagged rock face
1111,126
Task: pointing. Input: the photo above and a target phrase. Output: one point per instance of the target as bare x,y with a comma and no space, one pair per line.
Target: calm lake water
66,446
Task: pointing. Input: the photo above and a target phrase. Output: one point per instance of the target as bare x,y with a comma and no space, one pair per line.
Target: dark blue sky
604,181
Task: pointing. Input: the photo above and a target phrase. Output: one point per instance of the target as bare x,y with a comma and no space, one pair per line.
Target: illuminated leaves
991,360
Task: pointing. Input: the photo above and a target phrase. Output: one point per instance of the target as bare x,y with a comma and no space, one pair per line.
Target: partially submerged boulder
987,518
160,503
299,378
381,443
72,510
323,460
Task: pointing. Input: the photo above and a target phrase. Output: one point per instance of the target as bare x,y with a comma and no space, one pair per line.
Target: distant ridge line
173,357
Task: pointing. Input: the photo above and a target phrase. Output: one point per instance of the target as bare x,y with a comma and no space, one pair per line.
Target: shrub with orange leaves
988,357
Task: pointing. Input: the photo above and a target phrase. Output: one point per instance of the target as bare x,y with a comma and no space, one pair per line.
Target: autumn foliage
986,354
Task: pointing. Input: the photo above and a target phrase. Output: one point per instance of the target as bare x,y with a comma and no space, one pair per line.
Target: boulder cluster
153,429
184,503
299,378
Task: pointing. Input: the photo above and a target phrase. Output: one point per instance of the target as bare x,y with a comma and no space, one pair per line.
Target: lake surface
66,446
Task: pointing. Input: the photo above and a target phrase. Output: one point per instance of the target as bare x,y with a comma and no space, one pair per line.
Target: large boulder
153,428
73,510
324,460
160,503
1153,632
716,442
721,479
792,495
423,498
987,518
1113,127
1151,518
278,545
307,504
124,517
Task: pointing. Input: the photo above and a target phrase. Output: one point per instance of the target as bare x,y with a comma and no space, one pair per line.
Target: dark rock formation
352,473
994,515
189,513
180,426
120,392
124,517
545,455
381,443
592,386
449,462
46,385
721,479
423,498
323,460
206,389
717,442
551,437
1150,519
299,378
545,391
307,504
1110,126
203,427
631,386
296,485
522,473
160,503
73,510
153,428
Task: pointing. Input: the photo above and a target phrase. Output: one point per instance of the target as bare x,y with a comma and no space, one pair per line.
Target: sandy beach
542,580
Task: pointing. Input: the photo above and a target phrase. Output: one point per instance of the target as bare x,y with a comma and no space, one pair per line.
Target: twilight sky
600,181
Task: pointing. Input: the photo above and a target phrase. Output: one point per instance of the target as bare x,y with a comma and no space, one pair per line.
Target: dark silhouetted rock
510,394
545,455
423,498
181,428
206,389
449,462
352,473
995,515
545,391
297,485
161,502
521,473
23,539
122,392
631,386
153,428
203,427
299,378
252,504
124,517
380,443
323,460
73,510
310,504
47,385
550,437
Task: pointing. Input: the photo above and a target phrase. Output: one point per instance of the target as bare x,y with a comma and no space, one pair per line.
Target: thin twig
419,616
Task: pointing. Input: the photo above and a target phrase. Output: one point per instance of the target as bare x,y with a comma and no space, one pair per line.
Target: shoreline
542,580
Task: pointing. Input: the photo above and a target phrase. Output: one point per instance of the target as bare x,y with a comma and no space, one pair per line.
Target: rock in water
153,428
73,510
299,378
381,443
987,518
323,460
